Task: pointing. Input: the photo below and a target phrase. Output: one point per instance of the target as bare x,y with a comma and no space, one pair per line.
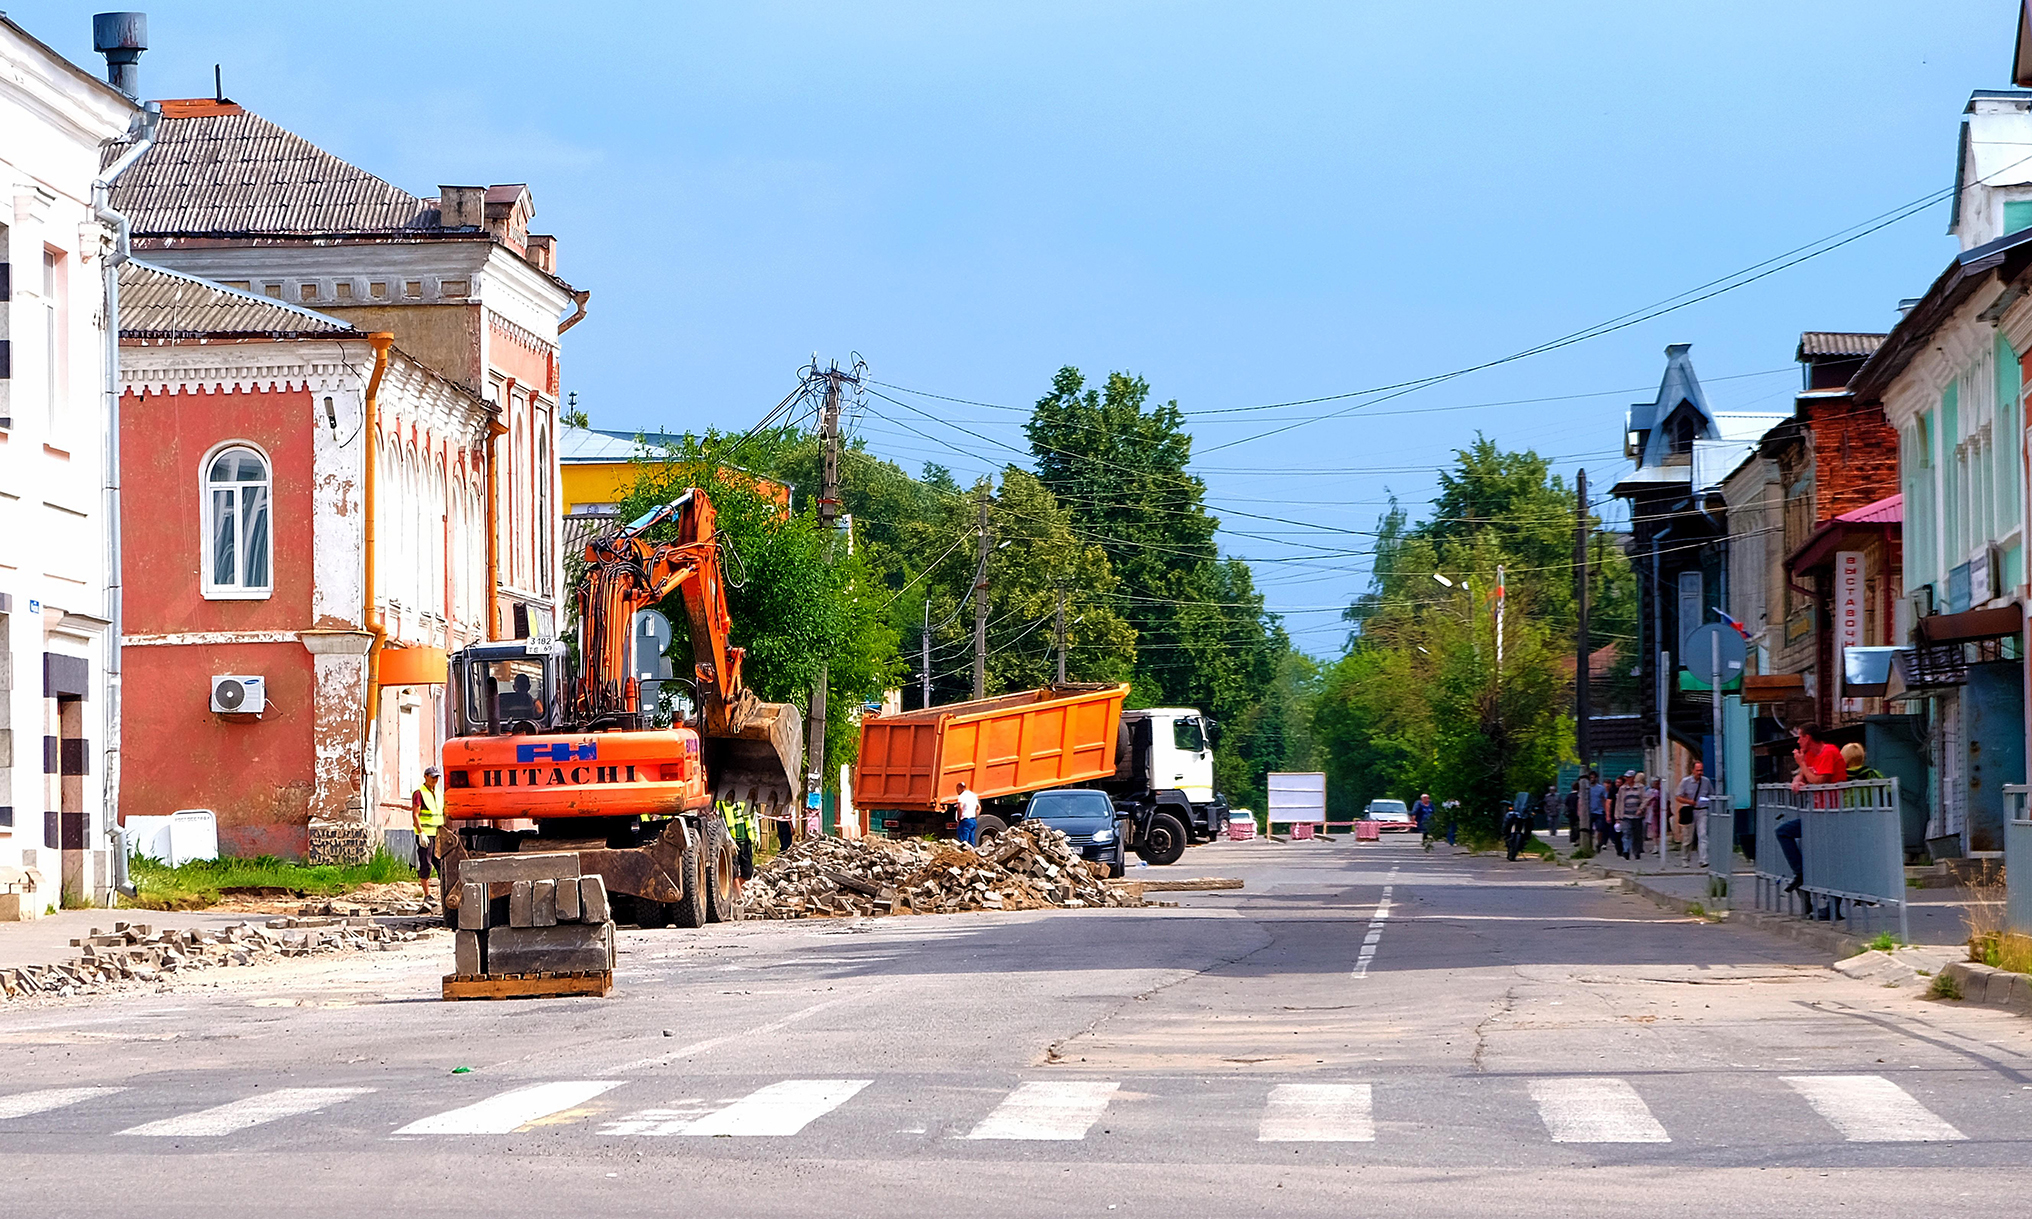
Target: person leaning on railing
1816,762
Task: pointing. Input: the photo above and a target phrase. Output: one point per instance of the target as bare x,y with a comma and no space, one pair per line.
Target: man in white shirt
969,815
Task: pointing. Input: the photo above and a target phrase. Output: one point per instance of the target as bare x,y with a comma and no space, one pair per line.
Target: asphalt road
1365,1029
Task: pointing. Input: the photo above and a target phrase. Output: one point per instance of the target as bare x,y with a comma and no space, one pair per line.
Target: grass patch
1885,942
1944,987
2006,950
1543,850
1696,910
1582,853
193,886
71,899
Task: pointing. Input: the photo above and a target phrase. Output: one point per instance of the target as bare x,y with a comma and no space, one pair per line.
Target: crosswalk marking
509,1111
1064,1109
242,1114
21,1104
1595,1110
1872,1109
779,1109
1318,1113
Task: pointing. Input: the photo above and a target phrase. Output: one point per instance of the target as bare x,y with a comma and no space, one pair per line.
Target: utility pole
1581,710
981,606
1061,636
926,655
828,518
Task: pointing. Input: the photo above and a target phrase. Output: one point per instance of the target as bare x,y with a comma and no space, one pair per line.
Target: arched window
239,538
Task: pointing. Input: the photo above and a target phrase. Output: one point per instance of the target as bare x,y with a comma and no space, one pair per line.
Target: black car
1087,818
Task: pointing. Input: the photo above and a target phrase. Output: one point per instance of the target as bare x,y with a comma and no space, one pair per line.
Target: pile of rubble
137,953
1027,867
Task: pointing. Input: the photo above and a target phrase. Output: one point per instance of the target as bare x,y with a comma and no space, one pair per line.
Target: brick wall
1855,455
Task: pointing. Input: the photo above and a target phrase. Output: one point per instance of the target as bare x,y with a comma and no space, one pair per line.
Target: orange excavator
543,758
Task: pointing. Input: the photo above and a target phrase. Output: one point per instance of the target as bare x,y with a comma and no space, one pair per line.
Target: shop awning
1774,687
1972,625
1885,516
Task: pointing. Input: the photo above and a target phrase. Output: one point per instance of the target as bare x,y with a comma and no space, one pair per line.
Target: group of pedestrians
1625,813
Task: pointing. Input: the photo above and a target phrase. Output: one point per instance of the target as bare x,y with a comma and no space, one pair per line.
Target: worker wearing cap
426,810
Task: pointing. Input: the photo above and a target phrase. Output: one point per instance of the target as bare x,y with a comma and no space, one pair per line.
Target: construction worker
740,823
426,810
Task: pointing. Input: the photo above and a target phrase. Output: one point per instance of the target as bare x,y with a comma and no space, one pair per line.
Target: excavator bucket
761,761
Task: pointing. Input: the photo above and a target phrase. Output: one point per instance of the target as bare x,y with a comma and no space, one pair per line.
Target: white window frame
233,592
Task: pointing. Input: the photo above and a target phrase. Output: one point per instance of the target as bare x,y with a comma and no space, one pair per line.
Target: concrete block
520,895
565,948
472,906
466,954
593,900
497,869
568,901
543,903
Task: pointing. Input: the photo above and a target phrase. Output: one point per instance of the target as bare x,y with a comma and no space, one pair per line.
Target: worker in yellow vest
740,823
426,809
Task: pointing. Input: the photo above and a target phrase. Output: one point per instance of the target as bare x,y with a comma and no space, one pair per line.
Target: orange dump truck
1156,764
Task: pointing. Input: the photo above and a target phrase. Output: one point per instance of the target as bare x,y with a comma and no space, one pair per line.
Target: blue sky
1245,204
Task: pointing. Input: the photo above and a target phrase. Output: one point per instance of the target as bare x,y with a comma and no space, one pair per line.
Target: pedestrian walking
1573,808
1551,805
426,813
1452,809
1654,813
1630,815
1597,802
1696,793
1421,813
968,815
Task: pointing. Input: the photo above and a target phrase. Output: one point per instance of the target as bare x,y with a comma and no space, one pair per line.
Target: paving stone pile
138,953
1027,867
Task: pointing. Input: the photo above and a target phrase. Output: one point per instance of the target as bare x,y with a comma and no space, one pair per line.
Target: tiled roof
1887,511
157,303
218,171
1837,343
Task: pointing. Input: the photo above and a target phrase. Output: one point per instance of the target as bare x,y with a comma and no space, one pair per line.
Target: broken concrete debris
139,953
1026,867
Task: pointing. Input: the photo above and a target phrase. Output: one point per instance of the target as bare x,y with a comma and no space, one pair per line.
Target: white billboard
1298,795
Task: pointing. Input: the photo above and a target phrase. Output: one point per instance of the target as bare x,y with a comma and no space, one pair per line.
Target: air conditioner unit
239,694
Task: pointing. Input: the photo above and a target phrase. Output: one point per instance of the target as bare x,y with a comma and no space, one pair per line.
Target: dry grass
1983,908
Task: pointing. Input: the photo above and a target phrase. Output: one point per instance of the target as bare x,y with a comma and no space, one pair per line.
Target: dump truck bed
1003,746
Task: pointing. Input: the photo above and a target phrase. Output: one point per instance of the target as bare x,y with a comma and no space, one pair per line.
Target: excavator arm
627,572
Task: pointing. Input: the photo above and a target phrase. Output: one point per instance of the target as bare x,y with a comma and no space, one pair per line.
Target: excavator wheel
722,904
690,910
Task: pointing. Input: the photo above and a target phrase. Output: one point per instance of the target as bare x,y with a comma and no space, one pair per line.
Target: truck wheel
690,910
1164,842
987,826
645,914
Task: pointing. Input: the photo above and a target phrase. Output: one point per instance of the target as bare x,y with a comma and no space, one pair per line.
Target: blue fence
2017,860
1852,850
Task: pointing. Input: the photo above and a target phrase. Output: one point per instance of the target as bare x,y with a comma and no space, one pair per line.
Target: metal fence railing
2017,860
1851,845
1719,844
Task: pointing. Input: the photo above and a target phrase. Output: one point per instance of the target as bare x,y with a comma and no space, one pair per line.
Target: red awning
1870,520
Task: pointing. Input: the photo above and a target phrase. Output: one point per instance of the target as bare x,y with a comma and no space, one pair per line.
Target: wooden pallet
528,986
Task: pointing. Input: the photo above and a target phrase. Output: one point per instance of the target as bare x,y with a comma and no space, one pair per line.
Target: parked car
1391,816
1087,818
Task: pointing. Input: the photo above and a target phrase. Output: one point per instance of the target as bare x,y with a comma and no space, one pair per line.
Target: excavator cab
512,686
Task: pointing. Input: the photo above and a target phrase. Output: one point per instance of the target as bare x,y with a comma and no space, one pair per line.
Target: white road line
509,1111
1367,955
779,1109
1318,1113
1063,1110
21,1104
1595,1111
243,1114
1872,1109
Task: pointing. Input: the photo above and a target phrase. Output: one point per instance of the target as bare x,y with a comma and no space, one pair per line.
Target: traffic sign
1714,654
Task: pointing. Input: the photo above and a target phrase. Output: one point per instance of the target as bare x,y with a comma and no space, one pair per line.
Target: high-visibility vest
431,815
740,822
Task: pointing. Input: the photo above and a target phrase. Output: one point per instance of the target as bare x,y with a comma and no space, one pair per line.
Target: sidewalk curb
1992,987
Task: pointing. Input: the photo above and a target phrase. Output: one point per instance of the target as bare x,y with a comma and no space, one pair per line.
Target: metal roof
1837,343
219,171
576,445
158,303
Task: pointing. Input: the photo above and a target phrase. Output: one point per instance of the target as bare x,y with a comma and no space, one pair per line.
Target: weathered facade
245,473
465,529
57,744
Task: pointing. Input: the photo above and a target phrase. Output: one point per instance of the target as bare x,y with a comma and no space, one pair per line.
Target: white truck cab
1181,755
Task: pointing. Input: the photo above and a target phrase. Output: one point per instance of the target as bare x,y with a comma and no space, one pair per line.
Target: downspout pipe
141,131
370,615
495,430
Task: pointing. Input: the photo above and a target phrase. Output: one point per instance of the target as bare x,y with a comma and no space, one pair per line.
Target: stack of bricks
558,921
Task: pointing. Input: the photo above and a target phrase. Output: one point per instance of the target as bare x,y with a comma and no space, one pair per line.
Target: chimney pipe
121,37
